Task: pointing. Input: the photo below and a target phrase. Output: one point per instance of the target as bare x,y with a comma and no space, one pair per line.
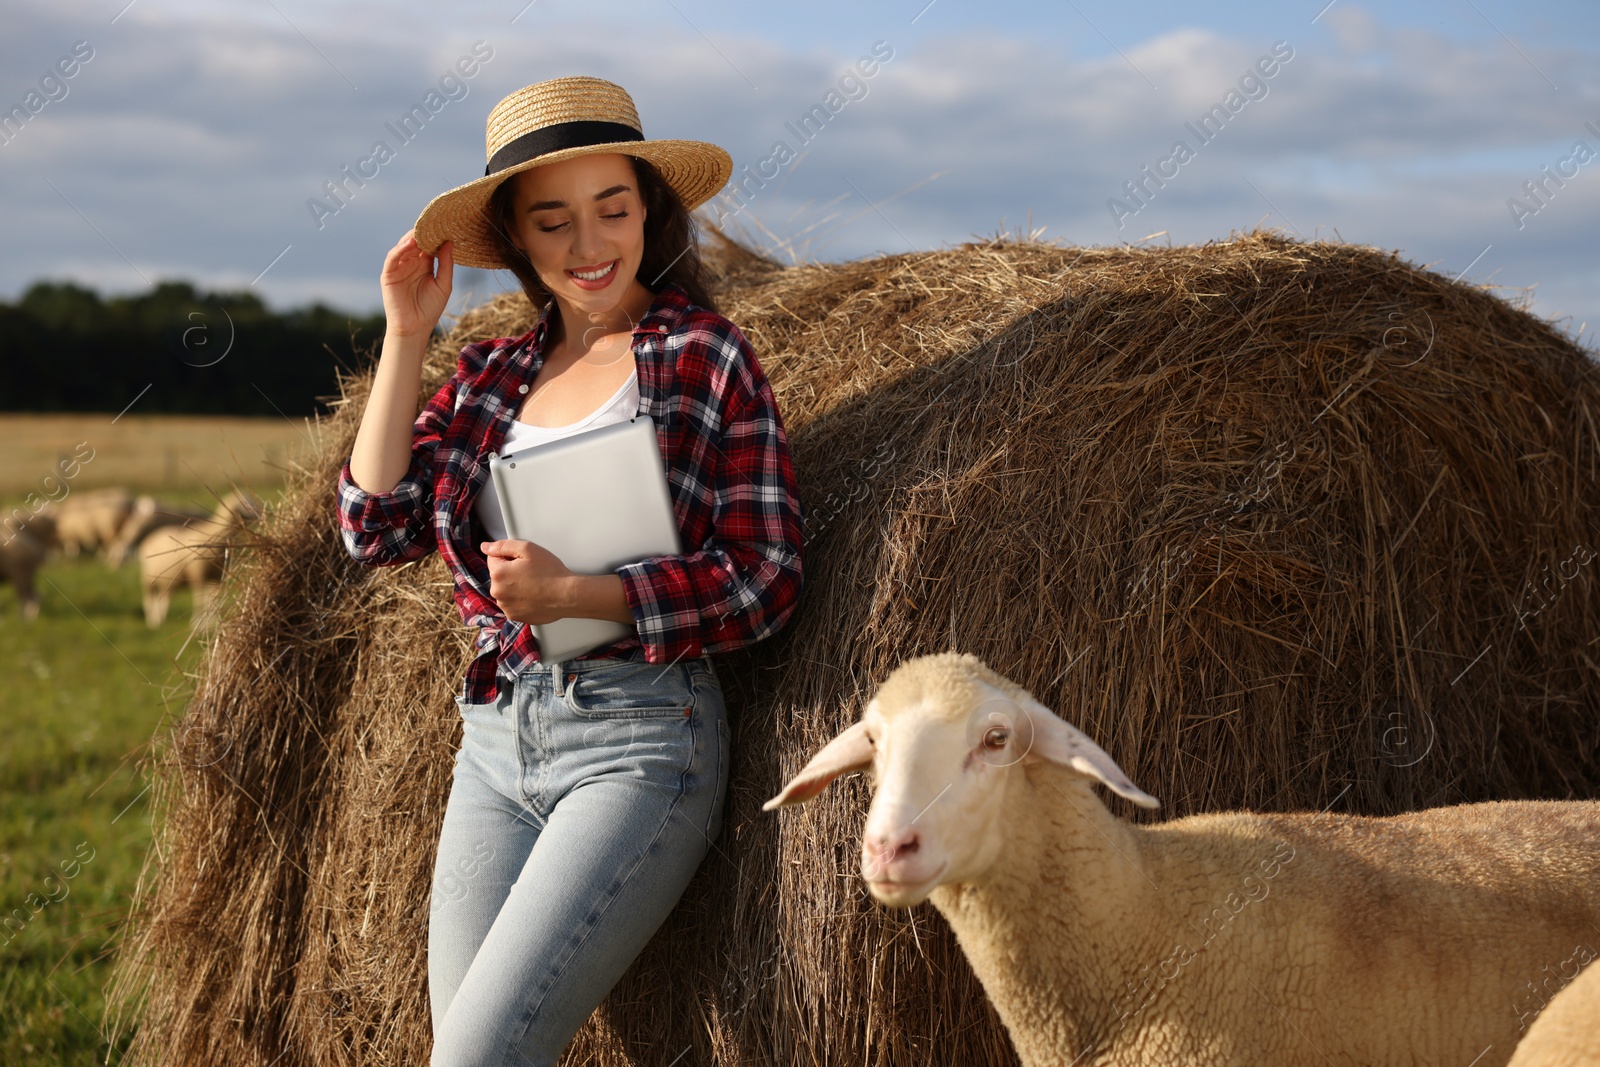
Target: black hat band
579,133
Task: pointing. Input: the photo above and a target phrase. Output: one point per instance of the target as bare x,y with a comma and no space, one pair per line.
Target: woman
585,792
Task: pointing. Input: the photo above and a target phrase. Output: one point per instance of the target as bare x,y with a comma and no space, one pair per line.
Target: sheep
1231,938
88,520
1567,1032
172,555
41,526
148,514
20,558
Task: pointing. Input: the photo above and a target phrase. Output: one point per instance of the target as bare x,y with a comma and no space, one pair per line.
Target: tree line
176,349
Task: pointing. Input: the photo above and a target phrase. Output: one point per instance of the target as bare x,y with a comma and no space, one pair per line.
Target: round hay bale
1281,525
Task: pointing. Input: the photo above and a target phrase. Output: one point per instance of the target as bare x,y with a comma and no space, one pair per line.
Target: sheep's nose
889,847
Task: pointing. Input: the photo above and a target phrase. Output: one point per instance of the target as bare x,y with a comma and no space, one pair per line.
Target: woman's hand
528,581
413,296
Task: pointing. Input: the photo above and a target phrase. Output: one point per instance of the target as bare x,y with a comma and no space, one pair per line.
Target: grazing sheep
1567,1032
172,555
1220,939
41,526
149,514
88,520
20,558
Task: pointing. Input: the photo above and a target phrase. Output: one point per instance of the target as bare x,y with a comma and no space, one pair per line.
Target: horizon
194,142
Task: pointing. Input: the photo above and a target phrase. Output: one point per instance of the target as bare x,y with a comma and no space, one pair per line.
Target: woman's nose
587,241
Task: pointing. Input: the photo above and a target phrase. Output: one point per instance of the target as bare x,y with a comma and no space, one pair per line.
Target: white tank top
623,405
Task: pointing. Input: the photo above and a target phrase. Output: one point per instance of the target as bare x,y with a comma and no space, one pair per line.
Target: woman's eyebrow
544,205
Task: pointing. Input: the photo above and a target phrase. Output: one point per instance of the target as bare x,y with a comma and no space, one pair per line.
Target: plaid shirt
728,470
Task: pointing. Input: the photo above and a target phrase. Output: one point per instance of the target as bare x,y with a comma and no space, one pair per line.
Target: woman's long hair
671,241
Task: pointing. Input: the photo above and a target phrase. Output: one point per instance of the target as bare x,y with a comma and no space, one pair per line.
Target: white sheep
173,555
148,514
1220,939
1566,1032
88,520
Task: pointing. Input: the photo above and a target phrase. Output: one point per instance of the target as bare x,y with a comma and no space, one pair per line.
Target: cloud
194,139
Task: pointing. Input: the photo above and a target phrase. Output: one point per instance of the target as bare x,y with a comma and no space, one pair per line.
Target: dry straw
1262,517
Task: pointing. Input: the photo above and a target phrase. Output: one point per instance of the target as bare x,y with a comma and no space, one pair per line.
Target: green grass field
89,688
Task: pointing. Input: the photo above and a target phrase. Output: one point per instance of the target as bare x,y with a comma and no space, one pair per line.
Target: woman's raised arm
413,300
385,490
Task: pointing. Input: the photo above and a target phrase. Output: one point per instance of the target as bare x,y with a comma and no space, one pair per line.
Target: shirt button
522,388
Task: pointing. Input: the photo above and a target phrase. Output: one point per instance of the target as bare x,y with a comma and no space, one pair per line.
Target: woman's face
582,215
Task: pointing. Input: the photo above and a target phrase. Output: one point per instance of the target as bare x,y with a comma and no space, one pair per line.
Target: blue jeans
583,799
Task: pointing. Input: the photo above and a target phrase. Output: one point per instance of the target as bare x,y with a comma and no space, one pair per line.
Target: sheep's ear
1055,739
850,751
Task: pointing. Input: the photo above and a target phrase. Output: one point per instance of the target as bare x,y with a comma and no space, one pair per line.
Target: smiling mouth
594,275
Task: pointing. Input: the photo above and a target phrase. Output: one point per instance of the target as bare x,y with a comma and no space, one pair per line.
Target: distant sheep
148,514
41,526
21,556
88,520
173,555
1217,939
1566,1033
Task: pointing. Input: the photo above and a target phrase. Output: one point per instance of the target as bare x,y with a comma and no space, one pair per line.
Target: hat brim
696,170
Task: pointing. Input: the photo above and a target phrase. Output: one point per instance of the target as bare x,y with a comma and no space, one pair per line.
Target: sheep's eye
996,737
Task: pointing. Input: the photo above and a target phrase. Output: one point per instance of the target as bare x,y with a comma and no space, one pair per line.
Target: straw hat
546,123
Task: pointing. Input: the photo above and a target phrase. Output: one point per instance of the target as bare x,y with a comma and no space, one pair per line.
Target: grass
88,688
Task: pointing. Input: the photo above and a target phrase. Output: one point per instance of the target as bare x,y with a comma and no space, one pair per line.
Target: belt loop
555,677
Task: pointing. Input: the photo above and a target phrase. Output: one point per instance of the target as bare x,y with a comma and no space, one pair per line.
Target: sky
193,140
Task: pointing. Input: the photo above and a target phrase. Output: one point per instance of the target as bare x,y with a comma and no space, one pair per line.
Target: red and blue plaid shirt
728,470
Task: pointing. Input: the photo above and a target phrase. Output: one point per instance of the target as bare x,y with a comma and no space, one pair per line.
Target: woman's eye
553,229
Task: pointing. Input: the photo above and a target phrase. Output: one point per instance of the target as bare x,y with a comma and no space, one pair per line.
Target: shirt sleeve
743,583
394,527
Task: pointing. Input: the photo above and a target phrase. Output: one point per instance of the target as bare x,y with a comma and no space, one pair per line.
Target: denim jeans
583,799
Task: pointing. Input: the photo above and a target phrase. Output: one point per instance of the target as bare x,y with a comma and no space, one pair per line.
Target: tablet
597,499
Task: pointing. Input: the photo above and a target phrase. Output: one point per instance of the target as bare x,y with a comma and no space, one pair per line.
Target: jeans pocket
632,691
475,717
467,709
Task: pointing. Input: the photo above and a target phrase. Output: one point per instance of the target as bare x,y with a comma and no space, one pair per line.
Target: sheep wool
1566,1033
1219,939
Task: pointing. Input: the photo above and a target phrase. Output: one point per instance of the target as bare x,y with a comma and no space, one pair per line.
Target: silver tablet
597,499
